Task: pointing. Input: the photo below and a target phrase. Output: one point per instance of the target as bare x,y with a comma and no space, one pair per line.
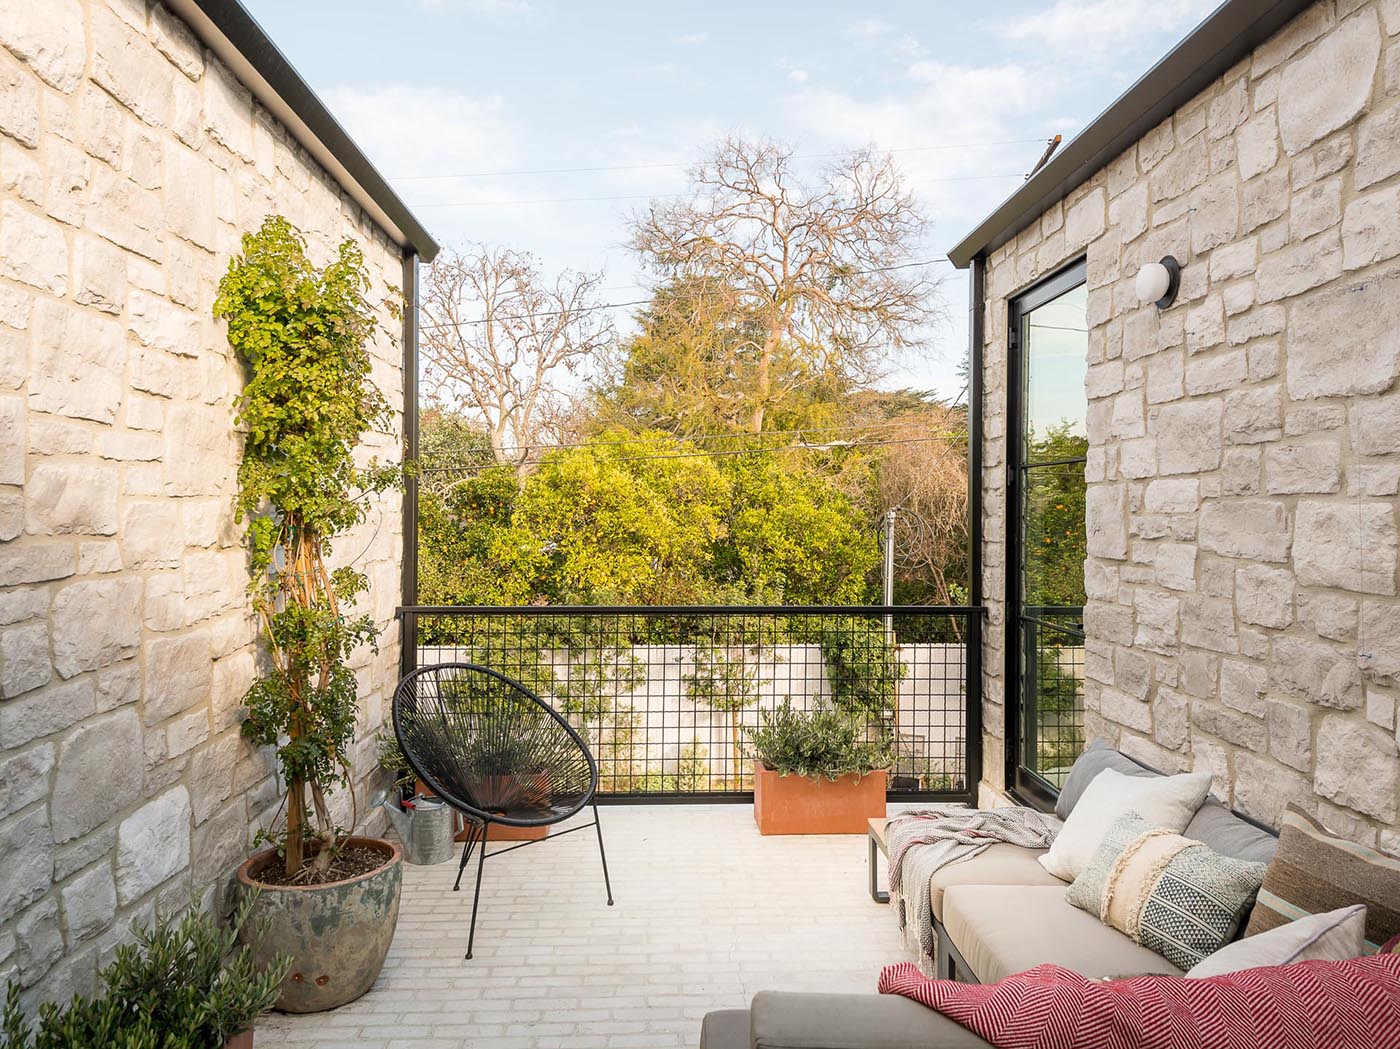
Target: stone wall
1244,443
130,163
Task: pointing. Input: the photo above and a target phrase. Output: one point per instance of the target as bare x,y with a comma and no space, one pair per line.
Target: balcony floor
708,913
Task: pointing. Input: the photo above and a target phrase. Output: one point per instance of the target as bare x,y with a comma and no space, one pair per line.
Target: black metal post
976,329
408,623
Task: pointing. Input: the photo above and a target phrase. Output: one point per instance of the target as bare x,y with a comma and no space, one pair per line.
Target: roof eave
227,29
1234,29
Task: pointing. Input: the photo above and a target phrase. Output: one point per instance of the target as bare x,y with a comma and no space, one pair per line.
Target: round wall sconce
1158,282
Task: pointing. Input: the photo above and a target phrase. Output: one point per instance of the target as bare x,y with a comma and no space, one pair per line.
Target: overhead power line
661,165
802,431
648,196
846,446
642,302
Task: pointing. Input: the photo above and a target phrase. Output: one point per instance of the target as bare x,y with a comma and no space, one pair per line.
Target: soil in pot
337,933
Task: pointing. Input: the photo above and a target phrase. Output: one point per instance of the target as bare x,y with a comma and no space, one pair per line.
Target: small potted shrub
183,984
331,899
816,772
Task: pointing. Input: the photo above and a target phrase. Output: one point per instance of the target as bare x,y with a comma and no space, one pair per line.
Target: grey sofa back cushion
1097,756
1227,834
1214,824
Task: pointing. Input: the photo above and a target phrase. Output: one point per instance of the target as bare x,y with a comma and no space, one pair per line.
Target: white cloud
869,27
794,73
690,39
1103,27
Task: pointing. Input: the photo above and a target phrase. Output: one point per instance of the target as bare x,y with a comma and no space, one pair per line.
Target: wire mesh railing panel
666,697
1053,647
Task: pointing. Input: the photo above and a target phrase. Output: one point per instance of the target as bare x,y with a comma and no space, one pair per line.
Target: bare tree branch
499,341
824,268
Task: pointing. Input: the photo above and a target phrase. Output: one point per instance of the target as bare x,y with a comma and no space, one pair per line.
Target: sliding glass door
1047,448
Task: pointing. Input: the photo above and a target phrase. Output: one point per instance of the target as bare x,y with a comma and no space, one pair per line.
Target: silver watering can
424,825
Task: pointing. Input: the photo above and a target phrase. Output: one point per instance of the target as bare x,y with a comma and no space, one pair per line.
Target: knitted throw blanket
923,840
1353,1004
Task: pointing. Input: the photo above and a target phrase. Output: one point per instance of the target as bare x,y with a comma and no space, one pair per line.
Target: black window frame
1021,783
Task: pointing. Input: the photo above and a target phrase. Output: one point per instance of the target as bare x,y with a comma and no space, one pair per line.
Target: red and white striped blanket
1309,1005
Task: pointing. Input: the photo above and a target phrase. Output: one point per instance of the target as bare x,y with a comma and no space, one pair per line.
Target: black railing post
973,671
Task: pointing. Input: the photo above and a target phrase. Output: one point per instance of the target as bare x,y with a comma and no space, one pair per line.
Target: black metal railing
665,696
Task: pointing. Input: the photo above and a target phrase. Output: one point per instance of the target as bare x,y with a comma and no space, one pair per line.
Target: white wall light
1158,282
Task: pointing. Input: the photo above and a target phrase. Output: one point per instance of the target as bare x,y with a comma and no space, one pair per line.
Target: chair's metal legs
476,899
602,855
467,847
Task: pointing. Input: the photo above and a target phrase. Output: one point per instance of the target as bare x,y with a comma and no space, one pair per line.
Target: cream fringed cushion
1172,895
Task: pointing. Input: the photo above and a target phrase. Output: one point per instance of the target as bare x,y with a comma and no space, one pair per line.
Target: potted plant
183,984
331,899
817,772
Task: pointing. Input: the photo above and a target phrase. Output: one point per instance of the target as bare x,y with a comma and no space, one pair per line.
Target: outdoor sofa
996,914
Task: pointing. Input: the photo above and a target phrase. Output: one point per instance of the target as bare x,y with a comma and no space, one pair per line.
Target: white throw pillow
1331,937
1167,802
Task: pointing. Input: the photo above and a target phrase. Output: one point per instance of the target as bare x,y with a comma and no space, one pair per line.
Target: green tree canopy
644,518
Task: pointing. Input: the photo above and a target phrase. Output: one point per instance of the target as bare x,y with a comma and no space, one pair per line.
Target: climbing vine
308,401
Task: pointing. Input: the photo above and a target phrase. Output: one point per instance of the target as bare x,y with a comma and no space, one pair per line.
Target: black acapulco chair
498,754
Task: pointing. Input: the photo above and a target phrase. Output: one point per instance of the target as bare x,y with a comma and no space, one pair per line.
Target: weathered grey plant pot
337,933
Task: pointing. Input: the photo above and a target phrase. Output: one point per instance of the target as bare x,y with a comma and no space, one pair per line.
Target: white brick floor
708,912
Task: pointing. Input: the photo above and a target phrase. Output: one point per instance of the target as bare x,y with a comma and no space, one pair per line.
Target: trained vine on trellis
303,333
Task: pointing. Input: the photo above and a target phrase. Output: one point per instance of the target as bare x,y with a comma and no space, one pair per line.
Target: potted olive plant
817,772
330,899
184,983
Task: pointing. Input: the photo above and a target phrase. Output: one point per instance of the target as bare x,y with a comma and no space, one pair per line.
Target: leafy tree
1055,542
451,448
690,371
821,271
629,518
457,533
792,537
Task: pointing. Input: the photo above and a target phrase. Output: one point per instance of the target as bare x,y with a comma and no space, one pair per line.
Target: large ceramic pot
798,805
337,933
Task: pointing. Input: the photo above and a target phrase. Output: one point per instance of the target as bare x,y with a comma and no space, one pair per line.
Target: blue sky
965,94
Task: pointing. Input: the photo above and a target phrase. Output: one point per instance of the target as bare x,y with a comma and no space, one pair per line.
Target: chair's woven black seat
491,747
497,753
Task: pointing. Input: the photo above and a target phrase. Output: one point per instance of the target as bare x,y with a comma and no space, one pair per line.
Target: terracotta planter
498,832
502,833
798,805
241,1041
337,933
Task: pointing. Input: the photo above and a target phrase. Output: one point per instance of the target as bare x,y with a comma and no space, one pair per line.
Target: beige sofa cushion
999,864
1004,929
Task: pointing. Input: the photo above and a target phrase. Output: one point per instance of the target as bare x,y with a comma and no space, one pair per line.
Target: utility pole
890,516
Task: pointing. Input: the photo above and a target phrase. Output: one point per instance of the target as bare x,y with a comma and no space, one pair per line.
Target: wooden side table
879,846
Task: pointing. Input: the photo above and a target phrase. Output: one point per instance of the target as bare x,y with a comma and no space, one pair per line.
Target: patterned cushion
1392,946
1316,871
1173,895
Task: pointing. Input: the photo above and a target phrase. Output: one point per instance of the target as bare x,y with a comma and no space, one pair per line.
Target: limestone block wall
130,163
1244,454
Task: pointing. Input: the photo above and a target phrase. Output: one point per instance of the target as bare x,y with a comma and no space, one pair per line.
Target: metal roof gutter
1234,29
227,29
